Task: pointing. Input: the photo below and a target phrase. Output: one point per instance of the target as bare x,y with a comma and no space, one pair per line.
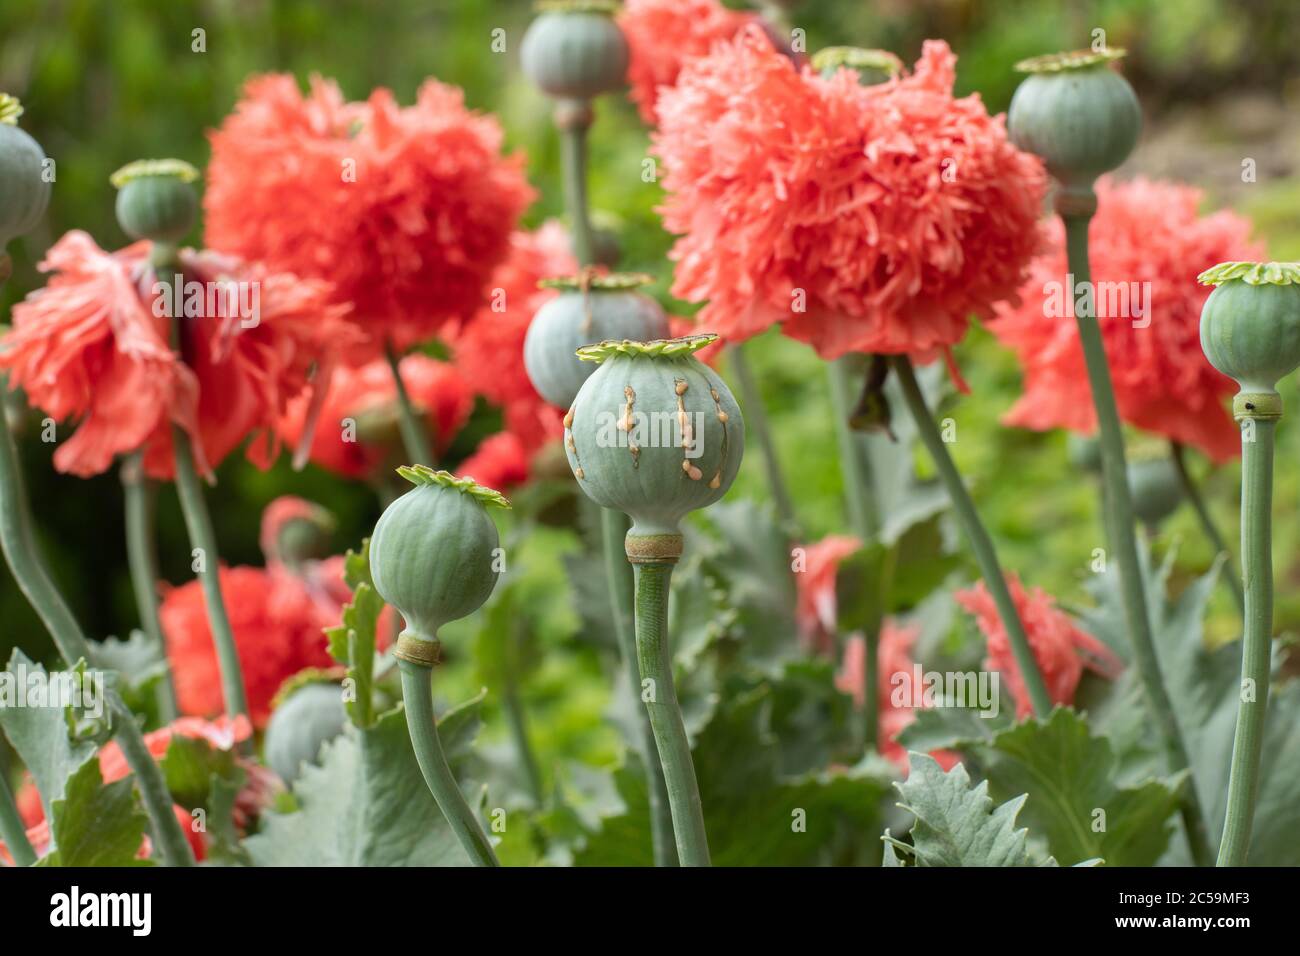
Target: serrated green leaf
41,737
353,642
957,824
367,803
96,824
1073,801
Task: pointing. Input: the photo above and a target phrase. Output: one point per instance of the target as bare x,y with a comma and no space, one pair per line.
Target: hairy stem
751,399
1120,525
12,830
1193,494
969,518
415,438
418,697
1256,643
198,524
654,654
139,497
618,572
33,579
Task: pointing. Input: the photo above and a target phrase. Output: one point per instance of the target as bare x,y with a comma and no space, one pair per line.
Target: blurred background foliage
105,82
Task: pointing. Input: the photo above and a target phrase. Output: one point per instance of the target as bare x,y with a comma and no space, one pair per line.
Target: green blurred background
107,82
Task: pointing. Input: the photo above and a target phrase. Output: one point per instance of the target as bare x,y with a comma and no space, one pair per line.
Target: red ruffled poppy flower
93,346
405,211
1147,244
1060,647
357,424
863,218
662,35
500,462
277,619
816,609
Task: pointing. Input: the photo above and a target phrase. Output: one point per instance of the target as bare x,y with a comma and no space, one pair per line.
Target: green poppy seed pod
589,309
656,434
1155,488
1084,452
301,724
24,186
156,199
1078,114
574,50
1250,330
433,555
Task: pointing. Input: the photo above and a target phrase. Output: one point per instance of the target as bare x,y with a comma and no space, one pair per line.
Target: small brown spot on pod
722,417
694,473
579,473
568,418
681,387
571,445
716,481
714,393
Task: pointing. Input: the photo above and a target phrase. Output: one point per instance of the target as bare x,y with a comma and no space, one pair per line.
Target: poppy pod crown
656,434
590,308
432,555
24,189
872,66
1077,113
156,199
574,50
1250,330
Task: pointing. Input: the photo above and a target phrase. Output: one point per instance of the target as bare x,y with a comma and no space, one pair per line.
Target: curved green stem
415,438
613,526
1256,642
1193,494
654,654
1120,525
574,120
198,524
12,830
33,579
985,556
139,498
751,399
418,697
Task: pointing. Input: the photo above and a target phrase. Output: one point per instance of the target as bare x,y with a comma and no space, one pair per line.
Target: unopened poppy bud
306,715
574,50
1076,112
24,186
432,555
1250,330
654,433
590,308
1155,488
156,199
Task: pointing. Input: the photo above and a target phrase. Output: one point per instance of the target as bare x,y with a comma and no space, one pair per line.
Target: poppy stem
417,693
1193,493
198,524
859,499
139,496
574,119
751,399
613,526
1256,642
11,827
654,655
985,556
517,716
1118,502
33,578
414,435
